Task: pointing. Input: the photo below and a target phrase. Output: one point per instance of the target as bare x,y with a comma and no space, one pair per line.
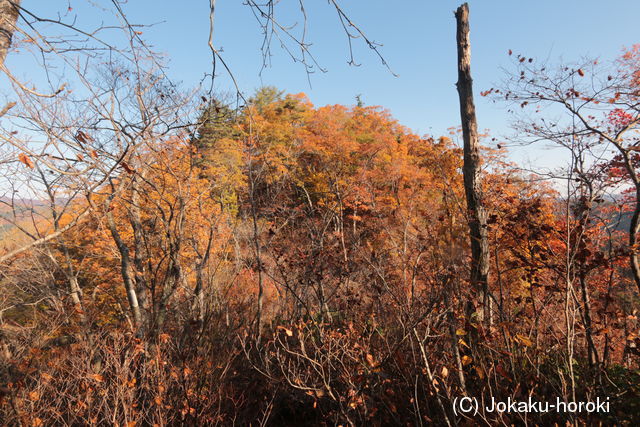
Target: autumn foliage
302,265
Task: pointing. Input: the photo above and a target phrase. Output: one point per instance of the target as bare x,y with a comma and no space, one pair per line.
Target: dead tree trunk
471,168
8,17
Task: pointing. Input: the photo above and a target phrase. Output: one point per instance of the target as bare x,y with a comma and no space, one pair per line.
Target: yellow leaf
524,340
461,332
289,332
445,372
466,360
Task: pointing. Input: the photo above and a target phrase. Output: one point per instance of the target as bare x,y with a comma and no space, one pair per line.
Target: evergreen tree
216,122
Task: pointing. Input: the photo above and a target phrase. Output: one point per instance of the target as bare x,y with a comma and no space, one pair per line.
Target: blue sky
419,44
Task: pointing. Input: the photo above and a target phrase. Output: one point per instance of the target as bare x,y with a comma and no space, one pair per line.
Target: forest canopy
181,257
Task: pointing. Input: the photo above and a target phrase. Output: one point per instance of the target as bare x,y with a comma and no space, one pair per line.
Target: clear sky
419,44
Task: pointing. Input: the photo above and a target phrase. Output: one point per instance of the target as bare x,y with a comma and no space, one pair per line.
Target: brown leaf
83,138
500,370
127,168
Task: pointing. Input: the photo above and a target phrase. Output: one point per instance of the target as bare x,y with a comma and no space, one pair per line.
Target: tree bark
634,228
141,256
8,17
125,268
471,167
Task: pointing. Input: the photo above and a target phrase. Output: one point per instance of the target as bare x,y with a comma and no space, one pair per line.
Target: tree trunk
125,269
8,17
471,168
634,228
140,256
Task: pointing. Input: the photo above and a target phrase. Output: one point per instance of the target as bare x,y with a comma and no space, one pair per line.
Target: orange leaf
26,160
97,377
370,360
